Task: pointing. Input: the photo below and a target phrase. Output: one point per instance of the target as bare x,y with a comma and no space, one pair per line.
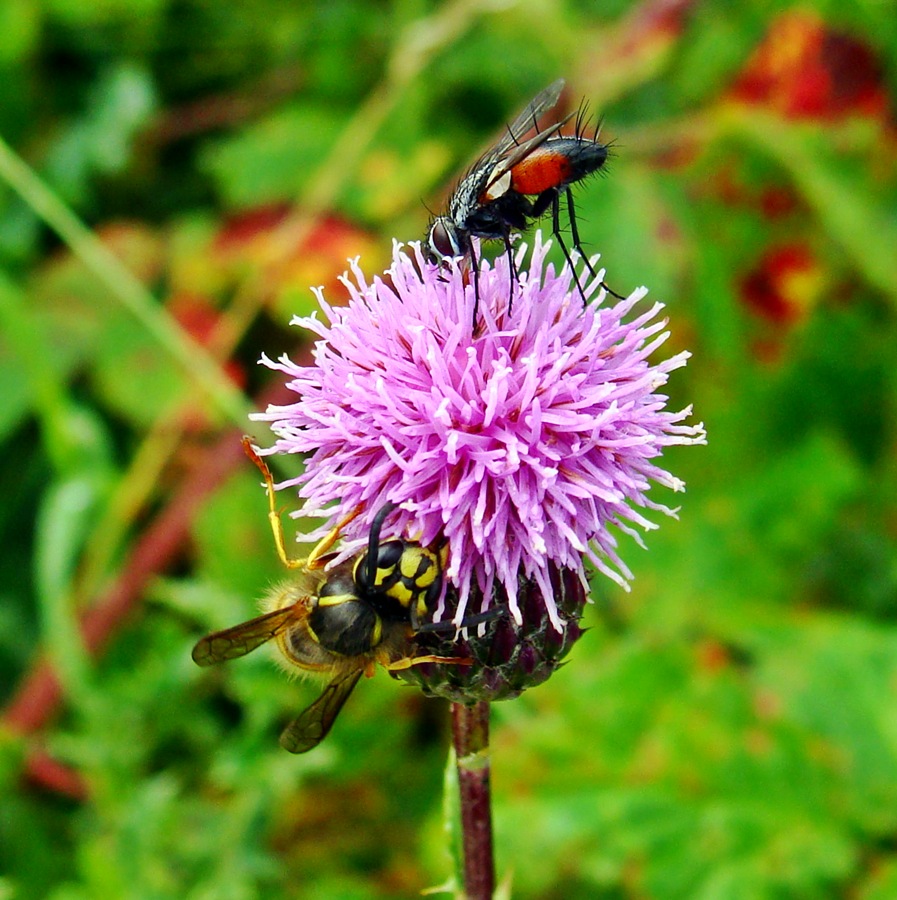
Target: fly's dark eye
443,243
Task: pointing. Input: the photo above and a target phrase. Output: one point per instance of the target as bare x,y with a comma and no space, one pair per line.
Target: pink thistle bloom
522,445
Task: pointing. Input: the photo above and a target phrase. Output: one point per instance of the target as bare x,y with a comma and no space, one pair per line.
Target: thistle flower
524,445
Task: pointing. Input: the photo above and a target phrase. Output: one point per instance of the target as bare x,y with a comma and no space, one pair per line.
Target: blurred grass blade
64,517
198,365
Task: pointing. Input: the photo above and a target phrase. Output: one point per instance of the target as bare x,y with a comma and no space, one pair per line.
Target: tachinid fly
516,182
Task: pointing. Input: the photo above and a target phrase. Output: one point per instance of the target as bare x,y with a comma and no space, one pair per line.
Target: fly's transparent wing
473,189
511,150
528,119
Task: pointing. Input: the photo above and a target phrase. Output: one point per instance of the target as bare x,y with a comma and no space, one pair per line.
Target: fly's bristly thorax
506,656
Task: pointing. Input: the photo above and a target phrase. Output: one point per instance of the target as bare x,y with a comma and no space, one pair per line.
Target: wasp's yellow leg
273,513
410,661
322,548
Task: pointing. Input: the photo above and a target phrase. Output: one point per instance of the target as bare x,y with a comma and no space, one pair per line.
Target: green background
726,730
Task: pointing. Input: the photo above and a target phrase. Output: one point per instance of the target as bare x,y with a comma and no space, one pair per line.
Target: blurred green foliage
728,729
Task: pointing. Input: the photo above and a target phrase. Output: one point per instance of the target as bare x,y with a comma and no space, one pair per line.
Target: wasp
340,621
516,182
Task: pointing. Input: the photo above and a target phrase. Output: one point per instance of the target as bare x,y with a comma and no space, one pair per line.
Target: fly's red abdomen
557,163
542,170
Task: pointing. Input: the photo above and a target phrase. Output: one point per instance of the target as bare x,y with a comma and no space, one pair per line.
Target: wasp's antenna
370,563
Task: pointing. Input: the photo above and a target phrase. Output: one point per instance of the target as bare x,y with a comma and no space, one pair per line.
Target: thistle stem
470,732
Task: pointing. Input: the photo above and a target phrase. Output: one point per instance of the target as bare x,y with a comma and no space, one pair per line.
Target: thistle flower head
524,444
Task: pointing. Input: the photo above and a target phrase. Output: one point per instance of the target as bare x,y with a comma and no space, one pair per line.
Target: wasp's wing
313,725
244,638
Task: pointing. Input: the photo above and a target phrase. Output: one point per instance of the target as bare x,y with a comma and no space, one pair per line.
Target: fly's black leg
556,231
577,244
512,268
475,264
574,232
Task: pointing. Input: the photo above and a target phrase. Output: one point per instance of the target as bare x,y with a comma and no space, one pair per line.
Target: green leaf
19,30
274,158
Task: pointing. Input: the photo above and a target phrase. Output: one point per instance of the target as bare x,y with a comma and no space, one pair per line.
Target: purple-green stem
470,732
